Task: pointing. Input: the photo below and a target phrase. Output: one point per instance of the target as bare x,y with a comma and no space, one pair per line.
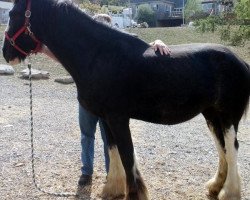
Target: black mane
66,10
82,31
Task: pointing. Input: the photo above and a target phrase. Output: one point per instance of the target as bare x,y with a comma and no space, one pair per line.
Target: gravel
175,161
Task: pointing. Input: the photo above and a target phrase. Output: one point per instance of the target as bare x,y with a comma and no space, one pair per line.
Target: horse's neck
75,38
64,31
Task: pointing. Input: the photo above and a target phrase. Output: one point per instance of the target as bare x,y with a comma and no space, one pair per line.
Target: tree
90,7
234,24
146,14
102,2
242,10
237,31
192,8
113,2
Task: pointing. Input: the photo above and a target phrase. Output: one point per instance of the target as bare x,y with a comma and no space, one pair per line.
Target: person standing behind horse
88,121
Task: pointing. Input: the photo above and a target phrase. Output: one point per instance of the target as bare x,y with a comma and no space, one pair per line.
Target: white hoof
116,181
114,188
214,187
229,195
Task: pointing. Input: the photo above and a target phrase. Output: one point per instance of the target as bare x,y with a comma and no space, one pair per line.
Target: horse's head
19,41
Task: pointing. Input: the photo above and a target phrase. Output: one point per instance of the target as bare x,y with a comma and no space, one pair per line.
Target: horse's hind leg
135,187
226,182
215,185
231,189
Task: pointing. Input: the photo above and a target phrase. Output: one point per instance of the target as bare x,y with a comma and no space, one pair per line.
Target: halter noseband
26,29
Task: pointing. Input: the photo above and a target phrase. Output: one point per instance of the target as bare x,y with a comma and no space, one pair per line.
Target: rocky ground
175,161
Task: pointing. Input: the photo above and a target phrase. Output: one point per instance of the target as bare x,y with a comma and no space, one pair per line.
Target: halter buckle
27,13
12,42
28,30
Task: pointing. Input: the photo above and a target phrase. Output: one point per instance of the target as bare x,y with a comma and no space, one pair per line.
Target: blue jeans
87,122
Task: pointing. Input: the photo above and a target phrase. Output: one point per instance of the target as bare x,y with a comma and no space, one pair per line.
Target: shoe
85,180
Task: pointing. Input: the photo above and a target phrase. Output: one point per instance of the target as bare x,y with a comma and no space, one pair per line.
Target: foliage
104,9
192,8
197,16
236,35
90,7
146,14
111,9
113,2
239,35
104,2
243,10
234,27
225,33
209,24
236,39
243,15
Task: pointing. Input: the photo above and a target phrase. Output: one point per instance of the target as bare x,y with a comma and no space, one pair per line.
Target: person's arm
161,46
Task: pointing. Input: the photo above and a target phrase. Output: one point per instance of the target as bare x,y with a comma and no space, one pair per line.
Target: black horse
119,77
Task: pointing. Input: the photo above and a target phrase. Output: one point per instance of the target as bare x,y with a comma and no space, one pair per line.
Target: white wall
5,7
123,20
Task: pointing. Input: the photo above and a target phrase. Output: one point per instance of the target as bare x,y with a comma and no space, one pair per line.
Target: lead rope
32,147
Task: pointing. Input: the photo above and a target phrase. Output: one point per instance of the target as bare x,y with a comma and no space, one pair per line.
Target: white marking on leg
134,169
231,189
116,180
216,183
142,190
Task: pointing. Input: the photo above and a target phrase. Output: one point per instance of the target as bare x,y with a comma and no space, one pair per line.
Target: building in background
5,7
167,12
123,19
215,7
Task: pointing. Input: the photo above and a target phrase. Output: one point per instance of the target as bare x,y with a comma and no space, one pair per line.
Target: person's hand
158,45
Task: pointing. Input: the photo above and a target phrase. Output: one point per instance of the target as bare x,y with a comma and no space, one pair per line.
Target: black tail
247,106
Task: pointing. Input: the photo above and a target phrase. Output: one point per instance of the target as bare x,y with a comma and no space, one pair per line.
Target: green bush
245,29
198,15
192,10
234,26
209,24
90,7
225,34
236,39
146,14
235,35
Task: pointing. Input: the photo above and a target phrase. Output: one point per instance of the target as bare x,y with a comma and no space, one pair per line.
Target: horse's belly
168,117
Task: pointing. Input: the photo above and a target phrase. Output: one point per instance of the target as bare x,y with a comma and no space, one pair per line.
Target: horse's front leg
116,179
135,187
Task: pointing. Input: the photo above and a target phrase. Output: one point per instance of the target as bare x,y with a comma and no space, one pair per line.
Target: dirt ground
175,161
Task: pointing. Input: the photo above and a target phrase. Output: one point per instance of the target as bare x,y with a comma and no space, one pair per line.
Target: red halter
26,29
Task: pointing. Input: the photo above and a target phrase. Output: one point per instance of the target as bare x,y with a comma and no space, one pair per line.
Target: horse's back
192,78
166,89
